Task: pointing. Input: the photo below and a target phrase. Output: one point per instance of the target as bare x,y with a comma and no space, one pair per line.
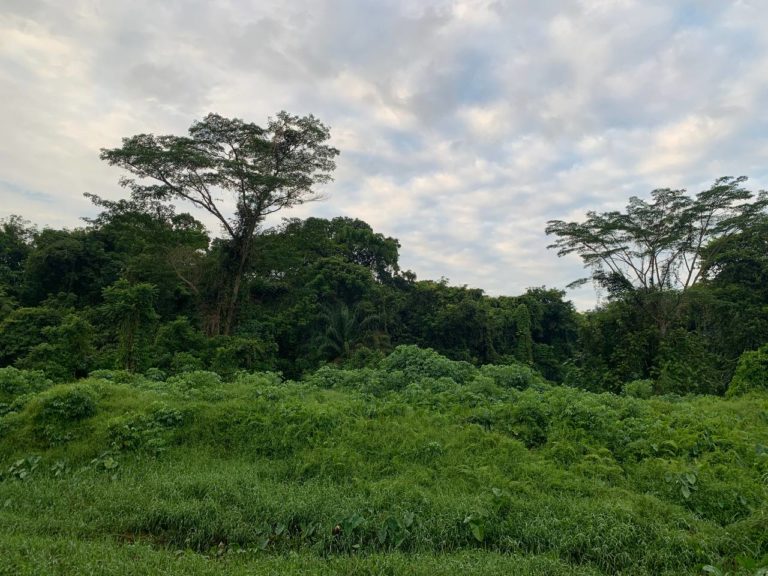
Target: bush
155,374
117,376
70,404
198,379
15,382
258,379
638,389
416,363
185,362
751,372
511,375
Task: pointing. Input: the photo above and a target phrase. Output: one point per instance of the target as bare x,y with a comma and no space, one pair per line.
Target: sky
464,125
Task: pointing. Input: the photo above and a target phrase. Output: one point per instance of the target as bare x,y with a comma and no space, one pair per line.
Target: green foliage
415,363
638,389
66,404
130,307
234,353
177,336
423,455
265,169
22,330
751,372
685,366
70,262
524,340
512,375
345,329
657,245
68,351
15,382
16,237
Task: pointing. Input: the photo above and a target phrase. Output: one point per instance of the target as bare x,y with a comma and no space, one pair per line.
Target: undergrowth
420,465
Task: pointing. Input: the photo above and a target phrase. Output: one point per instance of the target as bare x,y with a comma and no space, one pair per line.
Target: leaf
691,477
477,531
685,491
353,521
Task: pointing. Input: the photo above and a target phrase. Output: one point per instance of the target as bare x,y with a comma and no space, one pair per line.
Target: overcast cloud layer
464,125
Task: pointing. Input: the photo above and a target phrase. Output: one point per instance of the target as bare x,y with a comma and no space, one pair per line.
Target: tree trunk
231,303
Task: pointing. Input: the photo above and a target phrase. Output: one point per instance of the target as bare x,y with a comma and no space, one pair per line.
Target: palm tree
345,328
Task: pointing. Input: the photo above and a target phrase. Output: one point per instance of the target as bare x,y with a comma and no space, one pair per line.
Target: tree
152,243
67,352
263,169
68,261
524,341
656,247
345,329
131,310
16,235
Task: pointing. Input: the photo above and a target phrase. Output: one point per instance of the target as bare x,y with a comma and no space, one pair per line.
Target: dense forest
141,285
289,399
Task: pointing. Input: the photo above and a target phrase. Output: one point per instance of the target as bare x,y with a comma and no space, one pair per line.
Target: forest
288,399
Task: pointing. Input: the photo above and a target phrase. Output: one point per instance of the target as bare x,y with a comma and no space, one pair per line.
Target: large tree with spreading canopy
261,169
656,246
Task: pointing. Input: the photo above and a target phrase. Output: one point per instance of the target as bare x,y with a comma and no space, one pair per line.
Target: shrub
197,379
69,404
185,362
417,363
15,382
751,372
511,375
155,374
117,376
638,389
258,379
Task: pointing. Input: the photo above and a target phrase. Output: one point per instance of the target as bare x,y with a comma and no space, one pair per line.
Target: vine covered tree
264,170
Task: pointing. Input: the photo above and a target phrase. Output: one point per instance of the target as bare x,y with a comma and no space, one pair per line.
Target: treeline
141,286
136,289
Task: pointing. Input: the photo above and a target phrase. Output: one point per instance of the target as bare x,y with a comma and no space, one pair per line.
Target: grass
421,466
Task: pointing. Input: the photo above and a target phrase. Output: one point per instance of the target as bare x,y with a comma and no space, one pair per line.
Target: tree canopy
657,244
263,169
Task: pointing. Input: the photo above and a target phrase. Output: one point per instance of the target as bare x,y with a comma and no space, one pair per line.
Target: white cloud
464,125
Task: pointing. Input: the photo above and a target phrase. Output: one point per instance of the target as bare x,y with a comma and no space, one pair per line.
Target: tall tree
265,169
524,340
656,247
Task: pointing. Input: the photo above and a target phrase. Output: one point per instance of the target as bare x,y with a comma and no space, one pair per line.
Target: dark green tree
130,309
152,243
524,340
16,235
71,262
67,352
345,328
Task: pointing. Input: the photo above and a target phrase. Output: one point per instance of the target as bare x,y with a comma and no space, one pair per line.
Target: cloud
464,125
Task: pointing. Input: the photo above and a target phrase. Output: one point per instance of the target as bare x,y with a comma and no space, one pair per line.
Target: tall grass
419,466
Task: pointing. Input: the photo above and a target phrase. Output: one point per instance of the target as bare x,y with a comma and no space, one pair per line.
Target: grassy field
419,466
